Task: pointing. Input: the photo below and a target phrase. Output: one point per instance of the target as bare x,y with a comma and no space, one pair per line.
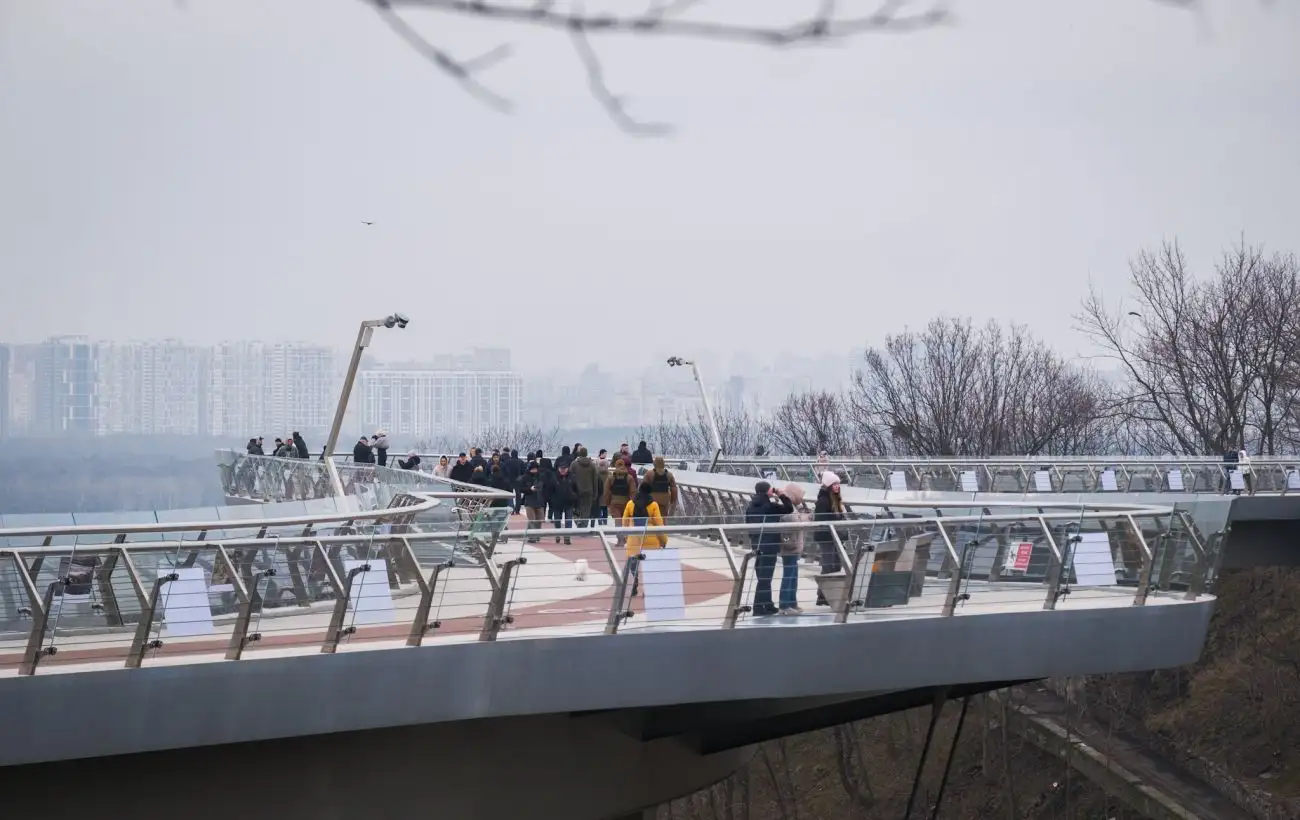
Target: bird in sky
363,222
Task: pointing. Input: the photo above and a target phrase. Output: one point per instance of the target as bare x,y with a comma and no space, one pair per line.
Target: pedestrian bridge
410,633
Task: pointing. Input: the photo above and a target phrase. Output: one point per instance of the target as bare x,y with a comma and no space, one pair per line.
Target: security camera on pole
678,361
397,320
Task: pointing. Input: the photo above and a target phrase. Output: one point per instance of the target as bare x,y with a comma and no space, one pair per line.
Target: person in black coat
766,507
562,498
829,508
301,446
462,470
532,490
361,452
642,455
499,481
411,462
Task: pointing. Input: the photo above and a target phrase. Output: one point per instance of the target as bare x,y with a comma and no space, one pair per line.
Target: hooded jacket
642,454
300,446
652,518
565,457
663,486
498,481
765,509
586,477
620,487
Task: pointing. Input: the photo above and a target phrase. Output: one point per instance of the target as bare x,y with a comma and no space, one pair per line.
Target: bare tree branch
663,18
462,71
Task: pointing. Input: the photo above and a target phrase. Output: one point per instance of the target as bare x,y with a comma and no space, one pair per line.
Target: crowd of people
577,490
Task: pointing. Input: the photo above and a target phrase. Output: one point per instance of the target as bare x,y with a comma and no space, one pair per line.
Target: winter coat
498,481
531,487
380,442
823,511
642,455
564,458
461,472
410,463
586,476
637,543
361,453
561,492
287,450
792,543
765,509
442,471
300,446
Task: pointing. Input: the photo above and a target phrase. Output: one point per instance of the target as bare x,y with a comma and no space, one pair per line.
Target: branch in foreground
662,18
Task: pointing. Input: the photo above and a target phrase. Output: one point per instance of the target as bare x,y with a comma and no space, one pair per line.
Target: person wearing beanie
766,507
829,508
664,487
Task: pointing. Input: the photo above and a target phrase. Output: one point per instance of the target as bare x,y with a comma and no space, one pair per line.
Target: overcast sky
200,169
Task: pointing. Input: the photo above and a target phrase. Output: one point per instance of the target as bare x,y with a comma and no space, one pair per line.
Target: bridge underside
578,766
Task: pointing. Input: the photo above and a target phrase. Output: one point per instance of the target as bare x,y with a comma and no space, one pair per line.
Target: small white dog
580,569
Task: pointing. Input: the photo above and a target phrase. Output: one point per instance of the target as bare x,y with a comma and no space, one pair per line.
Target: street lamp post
397,320
678,361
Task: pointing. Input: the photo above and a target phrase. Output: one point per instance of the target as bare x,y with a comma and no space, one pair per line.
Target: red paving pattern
699,585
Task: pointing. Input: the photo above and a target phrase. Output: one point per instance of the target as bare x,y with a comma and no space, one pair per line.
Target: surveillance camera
401,318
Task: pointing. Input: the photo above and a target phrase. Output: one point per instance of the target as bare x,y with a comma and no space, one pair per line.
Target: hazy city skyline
202,172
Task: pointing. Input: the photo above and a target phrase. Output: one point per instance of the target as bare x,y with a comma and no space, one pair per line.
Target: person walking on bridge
766,507
642,511
586,477
531,489
664,487
620,488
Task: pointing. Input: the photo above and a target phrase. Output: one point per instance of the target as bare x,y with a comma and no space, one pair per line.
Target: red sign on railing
1023,551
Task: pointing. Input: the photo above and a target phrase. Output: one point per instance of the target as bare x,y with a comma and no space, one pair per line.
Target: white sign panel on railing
661,584
969,483
898,480
1235,480
184,603
1043,481
1018,557
1094,566
1108,483
1176,481
372,600
1293,480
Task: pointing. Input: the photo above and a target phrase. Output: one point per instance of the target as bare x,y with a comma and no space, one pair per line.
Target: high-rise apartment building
429,403
64,401
270,389
152,388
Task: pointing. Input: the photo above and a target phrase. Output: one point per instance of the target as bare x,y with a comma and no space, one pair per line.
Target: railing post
496,616
1201,575
39,608
249,600
141,644
734,606
851,574
336,631
1054,569
954,584
421,624
619,609
1148,563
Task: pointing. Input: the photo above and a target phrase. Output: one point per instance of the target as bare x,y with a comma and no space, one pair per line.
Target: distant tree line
1204,365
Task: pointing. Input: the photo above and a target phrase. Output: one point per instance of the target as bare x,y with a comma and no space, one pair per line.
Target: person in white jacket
380,443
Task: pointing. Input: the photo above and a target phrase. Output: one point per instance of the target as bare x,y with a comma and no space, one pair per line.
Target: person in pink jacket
791,549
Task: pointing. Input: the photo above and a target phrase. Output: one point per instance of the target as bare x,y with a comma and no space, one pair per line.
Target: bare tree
824,23
954,389
808,423
1210,365
741,433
